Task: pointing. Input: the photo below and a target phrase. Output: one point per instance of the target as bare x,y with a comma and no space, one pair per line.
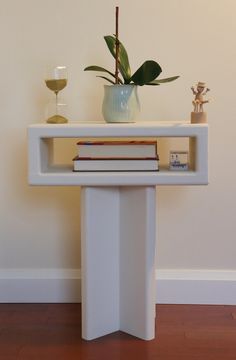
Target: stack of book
116,156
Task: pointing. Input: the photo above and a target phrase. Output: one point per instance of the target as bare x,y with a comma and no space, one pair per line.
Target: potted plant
121,102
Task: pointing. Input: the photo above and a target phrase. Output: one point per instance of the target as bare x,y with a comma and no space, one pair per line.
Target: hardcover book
104,164
117,149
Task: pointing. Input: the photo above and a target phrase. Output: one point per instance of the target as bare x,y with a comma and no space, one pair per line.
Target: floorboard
53,331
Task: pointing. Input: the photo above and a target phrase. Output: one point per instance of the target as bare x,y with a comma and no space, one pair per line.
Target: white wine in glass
56,80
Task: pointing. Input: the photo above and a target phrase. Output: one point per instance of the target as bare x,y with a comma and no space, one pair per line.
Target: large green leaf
98,68
123,60
105,78
161,81
147,72
152,84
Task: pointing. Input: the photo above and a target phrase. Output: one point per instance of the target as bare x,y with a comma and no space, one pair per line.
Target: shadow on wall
56,208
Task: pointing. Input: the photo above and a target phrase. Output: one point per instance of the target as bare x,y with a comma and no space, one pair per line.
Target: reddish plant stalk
117,46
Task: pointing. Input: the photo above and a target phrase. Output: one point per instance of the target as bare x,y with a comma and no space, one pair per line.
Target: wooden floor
53,331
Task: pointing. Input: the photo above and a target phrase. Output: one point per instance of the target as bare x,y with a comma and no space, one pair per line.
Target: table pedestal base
118,260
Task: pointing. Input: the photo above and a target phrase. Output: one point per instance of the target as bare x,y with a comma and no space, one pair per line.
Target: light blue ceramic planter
121,103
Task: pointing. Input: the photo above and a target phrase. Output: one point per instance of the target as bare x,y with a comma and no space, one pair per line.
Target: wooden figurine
198,115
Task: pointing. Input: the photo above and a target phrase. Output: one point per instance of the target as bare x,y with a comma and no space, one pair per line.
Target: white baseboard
64,285
40,286
188,286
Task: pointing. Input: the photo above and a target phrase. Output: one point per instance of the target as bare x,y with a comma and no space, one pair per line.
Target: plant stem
117,45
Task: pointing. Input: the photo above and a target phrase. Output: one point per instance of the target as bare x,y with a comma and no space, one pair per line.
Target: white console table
118,221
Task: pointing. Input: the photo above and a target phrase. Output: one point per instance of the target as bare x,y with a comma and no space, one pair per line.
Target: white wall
40,227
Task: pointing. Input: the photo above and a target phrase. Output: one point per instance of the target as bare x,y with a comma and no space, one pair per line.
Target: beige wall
40,226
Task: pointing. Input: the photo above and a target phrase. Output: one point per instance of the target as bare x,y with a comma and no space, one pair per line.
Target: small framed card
178,160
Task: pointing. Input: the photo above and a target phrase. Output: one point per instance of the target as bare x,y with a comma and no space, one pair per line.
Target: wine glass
56,80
